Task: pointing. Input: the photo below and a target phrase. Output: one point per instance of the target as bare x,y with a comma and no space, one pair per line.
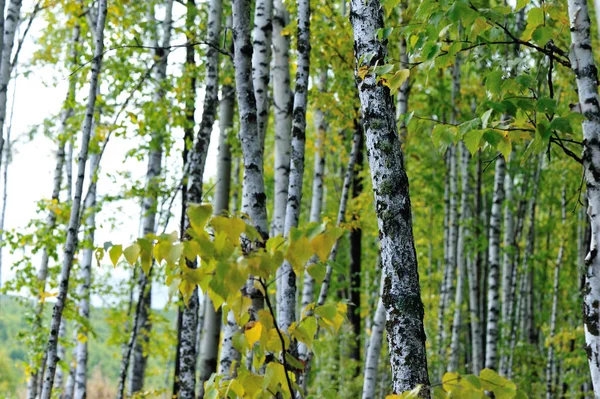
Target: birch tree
405,330
10,22
287,313
491,342
374,351
149,204
550,362
586,76
71,243
187,348
209,347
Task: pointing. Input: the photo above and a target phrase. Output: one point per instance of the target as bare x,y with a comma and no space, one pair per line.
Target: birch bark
81,350
10,24
550,363
149,204
71,242
491,350
401,291
282,104
586,73
317,197
261,59
374,351
209,347
189,323
462,257
287,313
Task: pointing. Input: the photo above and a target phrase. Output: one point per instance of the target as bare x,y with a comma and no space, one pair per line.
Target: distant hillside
104,350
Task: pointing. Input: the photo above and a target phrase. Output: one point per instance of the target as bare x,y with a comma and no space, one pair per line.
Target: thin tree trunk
462,257
187,356
61,352
128,348
261,59
287,311
10,24
316,201
283,105
189,71
401,290
355,262
551,362
586,73
149,204
209,347
81,350
455,226
374,351
491,351
71,242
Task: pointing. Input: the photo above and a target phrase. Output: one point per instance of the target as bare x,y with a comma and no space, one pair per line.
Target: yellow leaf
253,333
82,338
362,72
232,227
321,245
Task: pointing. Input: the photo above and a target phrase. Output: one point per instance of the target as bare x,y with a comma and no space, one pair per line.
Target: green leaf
115,253
231,227
562,125
199,215
486,117
493,82
546,104
521,4
132,253
472,140
317,271
443,135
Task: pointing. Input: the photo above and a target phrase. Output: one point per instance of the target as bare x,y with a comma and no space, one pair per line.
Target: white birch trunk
282,104
493,309
374,352
209,346
401,290
287,311
583,65
189,319
316,201
149,204
61,352
462,257
261,59
11,22
229,354
550,363
71,243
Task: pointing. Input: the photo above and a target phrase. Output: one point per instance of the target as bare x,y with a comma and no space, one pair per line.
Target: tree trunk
373,352
550,363
283,105
462,257
261,60
187,356
10,24
81,350
316,200
71,243
491,350
287,310
149,204
401,290
355,261
209,347
587,80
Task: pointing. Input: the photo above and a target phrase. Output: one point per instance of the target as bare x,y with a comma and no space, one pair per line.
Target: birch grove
182,218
